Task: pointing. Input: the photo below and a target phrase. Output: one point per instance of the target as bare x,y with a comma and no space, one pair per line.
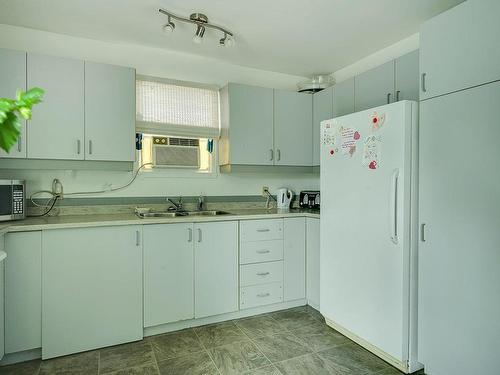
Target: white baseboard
24,356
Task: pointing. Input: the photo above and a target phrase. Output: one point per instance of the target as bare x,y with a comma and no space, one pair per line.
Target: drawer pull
262,230
262,273
263,251
263,295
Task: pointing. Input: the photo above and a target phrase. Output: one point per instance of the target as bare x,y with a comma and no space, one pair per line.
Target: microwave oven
12,200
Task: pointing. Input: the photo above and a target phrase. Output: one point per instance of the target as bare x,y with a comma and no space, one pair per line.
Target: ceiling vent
316,83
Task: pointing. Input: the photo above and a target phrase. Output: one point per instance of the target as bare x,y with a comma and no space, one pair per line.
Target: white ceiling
288,36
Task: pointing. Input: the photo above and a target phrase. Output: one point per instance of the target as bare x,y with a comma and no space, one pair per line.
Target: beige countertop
96,220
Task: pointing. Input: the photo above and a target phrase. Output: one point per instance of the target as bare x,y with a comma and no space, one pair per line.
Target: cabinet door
109,112
56,130
168,273
216,268
322,110
459,278
92,288
407,77
374,87
312,261
459,48
250,125
12,79
294,274
292,128
343,98
23,292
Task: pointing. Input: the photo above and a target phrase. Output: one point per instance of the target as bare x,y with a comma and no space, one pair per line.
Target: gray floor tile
149,369
175,344
393,371
281,346
310,364
267,370
77,364
319,336
194,364
238,357
355,358
220,334
23,368
125,356
258,326
294,318
315,313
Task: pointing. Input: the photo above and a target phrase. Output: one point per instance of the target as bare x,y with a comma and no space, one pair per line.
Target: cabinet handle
263,295
389,98
263,251
90,147
262,230
278,152
262,273
199,235
137,238
424,88
271,154
190,235
78,146
422,232
19,146
397,95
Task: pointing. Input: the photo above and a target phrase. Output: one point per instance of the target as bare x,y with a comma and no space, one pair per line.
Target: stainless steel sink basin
151,214
207,213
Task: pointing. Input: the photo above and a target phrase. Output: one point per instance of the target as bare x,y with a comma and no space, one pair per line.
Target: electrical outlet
265,191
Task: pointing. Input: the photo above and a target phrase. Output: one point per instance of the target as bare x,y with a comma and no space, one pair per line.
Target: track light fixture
201,22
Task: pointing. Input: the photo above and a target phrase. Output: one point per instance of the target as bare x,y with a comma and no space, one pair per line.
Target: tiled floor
289,342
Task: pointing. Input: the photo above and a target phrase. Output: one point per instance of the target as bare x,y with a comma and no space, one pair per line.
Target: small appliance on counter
309,199
283,199
12,200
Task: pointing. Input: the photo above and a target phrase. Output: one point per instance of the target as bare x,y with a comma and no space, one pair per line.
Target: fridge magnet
371,152
329,135
349,138
377,120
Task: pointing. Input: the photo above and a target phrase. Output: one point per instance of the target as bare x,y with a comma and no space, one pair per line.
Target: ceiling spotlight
201,22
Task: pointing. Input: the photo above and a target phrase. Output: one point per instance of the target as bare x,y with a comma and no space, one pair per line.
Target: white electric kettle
284,198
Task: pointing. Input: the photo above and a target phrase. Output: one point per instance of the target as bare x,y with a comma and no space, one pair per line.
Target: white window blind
176,110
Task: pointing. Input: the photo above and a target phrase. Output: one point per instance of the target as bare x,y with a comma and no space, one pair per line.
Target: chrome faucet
177,206
201,203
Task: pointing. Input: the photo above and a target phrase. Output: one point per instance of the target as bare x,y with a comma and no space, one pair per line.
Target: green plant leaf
6,106
25,112
32,96
9,131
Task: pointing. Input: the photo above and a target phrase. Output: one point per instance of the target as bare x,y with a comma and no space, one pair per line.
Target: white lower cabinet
294,256
91,287
168,273
215,268
259,295
261,273
23,292
312,262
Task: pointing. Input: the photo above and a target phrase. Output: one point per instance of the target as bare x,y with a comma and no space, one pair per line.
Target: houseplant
10,112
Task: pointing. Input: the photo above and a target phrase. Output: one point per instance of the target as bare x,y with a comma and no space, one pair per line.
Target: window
178,122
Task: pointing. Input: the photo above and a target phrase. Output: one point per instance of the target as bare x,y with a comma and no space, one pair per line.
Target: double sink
150,214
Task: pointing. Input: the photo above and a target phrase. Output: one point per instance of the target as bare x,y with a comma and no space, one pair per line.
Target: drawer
261,251
261,230
259,295
261,273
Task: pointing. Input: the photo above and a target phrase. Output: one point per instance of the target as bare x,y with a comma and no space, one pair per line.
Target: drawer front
261,273
260,295
261,251
261,230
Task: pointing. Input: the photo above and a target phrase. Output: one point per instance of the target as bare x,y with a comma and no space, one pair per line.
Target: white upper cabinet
12,79
247,125
109,112
374,87
292,128
459,48
322,110
56,130
343,98
406,77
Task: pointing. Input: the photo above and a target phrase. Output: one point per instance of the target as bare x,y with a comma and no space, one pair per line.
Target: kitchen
184,194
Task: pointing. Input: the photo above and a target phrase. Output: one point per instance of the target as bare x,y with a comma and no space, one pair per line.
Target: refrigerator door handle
393,207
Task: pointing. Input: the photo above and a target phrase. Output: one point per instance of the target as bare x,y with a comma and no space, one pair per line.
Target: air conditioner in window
176,152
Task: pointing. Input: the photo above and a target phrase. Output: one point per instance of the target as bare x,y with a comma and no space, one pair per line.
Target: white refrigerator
368,271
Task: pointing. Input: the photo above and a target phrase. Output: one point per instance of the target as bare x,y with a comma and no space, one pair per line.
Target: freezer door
459,251
365,224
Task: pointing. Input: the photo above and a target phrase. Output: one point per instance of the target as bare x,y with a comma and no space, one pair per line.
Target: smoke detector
316,83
